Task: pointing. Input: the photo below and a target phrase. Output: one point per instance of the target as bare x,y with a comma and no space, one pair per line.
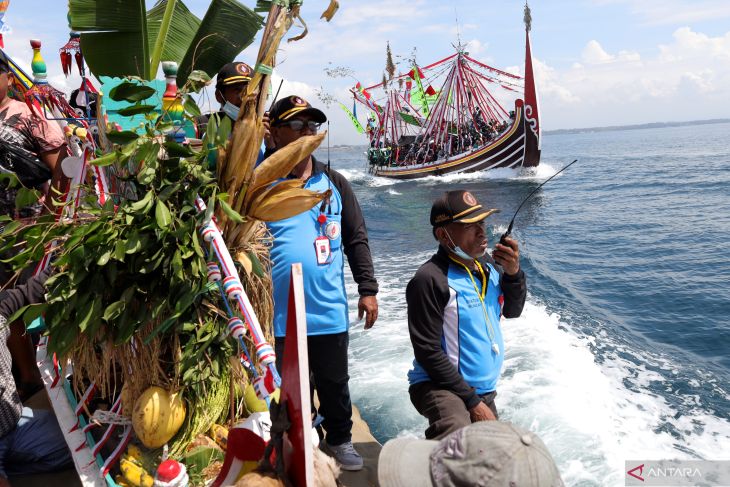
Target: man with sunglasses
318,238
455,302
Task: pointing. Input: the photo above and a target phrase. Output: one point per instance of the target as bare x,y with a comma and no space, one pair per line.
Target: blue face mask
458,251
231,110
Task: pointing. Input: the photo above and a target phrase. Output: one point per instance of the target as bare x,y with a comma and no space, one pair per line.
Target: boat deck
364,442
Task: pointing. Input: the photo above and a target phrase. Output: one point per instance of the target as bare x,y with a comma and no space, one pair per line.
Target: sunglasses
298,125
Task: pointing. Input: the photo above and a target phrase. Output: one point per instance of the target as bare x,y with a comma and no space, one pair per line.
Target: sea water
622,350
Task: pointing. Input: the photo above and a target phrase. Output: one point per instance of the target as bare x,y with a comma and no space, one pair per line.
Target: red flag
430,91
412,73
364,92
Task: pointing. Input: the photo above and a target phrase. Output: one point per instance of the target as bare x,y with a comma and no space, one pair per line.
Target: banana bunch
220,435
133,474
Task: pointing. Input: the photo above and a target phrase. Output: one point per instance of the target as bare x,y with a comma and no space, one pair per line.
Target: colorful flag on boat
421,98
353,118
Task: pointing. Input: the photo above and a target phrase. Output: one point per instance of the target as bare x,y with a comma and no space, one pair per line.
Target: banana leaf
183,26
113,36
227,29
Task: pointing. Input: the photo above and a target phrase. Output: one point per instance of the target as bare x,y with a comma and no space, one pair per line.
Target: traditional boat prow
415,130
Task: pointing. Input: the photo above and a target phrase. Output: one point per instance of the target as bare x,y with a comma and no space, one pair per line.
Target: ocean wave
595,402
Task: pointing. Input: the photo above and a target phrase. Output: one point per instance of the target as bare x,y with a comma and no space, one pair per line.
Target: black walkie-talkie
506,234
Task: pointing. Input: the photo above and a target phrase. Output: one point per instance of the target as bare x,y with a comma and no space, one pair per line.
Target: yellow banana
121,481
220,435
135,475
134,454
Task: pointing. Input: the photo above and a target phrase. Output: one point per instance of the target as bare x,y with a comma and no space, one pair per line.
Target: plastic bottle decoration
172,107
41,94
208,232
38,64
232,286
214,272
236,328
264,386
171,474
265,353
4,29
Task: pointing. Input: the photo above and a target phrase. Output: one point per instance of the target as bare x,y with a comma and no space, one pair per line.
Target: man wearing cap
230,83
489,454
317,238
455,302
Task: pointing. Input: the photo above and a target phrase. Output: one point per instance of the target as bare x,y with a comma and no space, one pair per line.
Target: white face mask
231,110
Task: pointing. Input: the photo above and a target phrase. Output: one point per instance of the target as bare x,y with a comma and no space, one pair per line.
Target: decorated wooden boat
448,117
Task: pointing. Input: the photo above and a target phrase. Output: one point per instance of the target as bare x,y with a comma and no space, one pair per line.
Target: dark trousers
445,411
328,374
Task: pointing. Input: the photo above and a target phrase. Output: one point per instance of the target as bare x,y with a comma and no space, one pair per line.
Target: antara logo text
664,472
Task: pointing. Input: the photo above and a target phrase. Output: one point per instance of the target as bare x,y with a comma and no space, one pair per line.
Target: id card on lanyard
322,247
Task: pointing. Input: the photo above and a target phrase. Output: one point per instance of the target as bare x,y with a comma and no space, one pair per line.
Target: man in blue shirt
455,302
319,238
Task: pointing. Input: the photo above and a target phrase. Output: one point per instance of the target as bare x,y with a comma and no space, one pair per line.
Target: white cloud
688,78
593,53
374,12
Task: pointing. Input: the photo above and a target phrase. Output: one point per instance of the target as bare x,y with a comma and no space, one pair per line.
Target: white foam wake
539,173
594,406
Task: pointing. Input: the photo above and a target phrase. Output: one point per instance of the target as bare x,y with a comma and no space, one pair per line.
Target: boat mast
533,130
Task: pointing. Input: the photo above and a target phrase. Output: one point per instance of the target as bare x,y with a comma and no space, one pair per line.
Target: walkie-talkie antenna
276,96
512,222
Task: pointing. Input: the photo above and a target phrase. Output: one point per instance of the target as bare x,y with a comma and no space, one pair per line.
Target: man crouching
455,302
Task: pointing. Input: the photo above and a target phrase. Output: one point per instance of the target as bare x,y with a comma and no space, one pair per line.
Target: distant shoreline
611,128
654,125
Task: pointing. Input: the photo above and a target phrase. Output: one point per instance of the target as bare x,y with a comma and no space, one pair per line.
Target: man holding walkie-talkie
455,302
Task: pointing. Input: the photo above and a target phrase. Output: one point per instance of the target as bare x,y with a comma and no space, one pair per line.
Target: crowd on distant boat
468,136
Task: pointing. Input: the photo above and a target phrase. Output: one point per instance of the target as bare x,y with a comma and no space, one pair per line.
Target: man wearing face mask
455,302
230,84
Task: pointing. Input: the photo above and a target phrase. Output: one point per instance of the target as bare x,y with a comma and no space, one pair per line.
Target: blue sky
598,62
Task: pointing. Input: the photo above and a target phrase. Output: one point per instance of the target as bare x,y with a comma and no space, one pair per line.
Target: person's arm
515,294
355,239
427,299
32,292
53,160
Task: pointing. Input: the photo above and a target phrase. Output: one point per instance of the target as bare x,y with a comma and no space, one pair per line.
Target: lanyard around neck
482,295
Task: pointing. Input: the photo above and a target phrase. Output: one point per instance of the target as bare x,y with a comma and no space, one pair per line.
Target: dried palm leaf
280,163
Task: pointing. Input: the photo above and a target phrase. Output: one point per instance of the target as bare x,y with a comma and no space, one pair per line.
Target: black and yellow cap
458,206
234,73
290,106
